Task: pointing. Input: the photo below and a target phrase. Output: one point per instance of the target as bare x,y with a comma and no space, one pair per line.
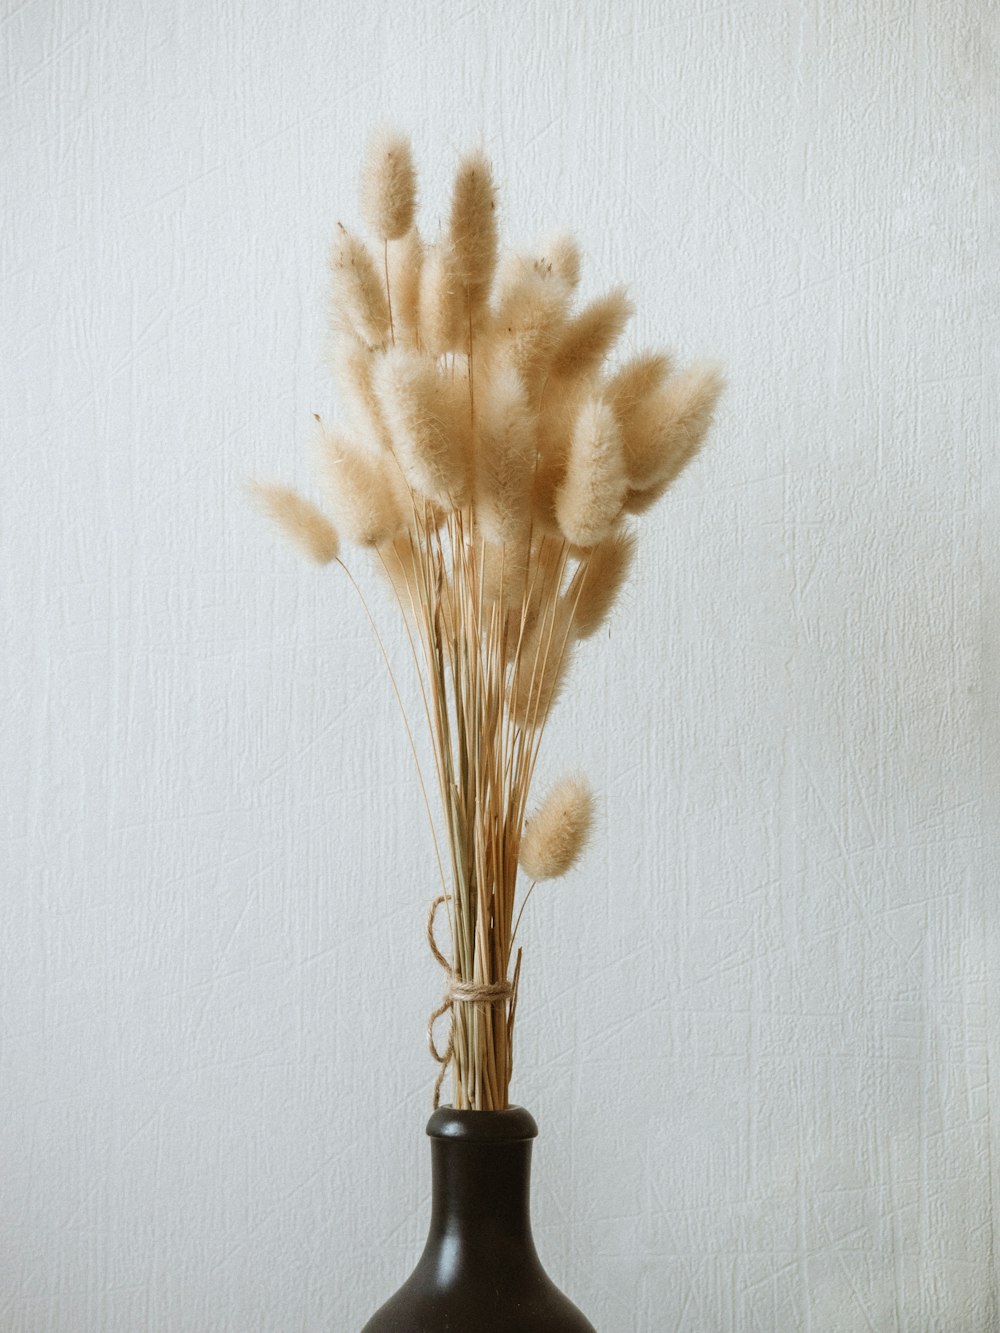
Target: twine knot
455,992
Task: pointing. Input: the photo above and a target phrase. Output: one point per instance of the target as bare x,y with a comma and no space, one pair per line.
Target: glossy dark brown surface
479,1272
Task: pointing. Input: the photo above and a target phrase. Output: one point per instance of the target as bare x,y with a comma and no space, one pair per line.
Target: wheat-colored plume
472,230
543,658
598,580
429,433
531,316
300,521
562,254
388,186
354,374
590,497
365,492
557,832
441,302
505,459
631,385
504,576
405,263
666,430
591,334
359,307
561,404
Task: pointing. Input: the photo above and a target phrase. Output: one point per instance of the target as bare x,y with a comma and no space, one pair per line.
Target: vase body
479,1272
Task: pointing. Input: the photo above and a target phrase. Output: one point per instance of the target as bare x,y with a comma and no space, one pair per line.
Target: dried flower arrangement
491,463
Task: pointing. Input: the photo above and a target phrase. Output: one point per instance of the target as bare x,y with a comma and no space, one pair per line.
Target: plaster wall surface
758,1026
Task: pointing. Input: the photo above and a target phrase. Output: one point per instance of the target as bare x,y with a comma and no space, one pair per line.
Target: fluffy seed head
590,497
388,186
354,372
429,429
599,578
441,303
556,834
472,229
591,334
359,306
364,491
562,254
406,261
505,459
632,384
300,521
668,428
531,317
541,663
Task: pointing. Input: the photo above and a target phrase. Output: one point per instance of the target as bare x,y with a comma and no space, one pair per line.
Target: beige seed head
388,186
365,492
530,319
472,229
591,334
557,833
590,497
632,384
562,254
505,459
640,502
441,301
359,307
668,428
541,662
599,578
406,261
300,520
429,425
353,365
561,404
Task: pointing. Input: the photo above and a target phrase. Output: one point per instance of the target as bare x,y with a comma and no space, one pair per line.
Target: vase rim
513,1123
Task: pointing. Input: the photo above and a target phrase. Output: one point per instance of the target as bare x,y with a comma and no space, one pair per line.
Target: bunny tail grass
490,450
562,253
590,497
598,580
406,262
472,230
427,425
300,520
667,429
505,460
354,370
557,832
359,304
388,186
364,492
442,326
591,334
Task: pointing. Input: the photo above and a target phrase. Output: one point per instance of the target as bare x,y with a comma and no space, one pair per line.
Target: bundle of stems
492,462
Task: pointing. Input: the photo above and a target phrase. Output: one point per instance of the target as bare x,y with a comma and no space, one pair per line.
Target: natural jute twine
455,992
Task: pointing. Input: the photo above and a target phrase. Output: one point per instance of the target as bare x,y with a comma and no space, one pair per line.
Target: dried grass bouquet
490,462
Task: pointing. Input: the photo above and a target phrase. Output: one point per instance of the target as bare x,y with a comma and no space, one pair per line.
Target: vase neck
481,1187
481,1173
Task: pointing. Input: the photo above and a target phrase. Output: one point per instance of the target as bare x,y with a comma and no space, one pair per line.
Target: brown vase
479,1272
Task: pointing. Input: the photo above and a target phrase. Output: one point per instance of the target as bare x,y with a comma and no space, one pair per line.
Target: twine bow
455,992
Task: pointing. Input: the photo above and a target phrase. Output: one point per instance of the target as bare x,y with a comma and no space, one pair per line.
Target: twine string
455,992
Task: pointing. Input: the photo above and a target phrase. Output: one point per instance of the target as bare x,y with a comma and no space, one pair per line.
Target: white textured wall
759,1027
